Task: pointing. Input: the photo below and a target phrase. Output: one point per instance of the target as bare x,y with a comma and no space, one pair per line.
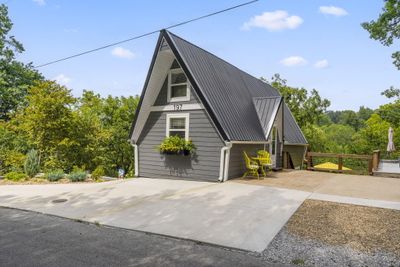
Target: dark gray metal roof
292,131
267,109
228,93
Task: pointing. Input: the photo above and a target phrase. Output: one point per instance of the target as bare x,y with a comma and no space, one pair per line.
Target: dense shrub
32,163
55,175
98,172
77,175
15,176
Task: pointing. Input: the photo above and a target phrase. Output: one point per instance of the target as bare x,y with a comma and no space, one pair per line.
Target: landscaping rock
291,249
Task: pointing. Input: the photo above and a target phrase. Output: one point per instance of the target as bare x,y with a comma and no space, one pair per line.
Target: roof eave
153,60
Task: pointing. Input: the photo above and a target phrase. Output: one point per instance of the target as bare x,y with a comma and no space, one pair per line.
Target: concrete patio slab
357,201
346,185
229,214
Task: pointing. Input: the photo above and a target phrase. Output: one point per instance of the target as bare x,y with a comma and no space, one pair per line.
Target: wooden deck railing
373,160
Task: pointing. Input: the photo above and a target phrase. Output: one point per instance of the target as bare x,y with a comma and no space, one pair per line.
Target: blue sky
312,43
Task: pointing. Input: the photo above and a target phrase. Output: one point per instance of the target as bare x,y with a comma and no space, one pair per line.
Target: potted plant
176,145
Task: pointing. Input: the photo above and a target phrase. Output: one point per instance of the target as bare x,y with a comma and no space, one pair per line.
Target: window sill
179,99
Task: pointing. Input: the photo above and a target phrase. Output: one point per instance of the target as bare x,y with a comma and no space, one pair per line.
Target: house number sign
178,107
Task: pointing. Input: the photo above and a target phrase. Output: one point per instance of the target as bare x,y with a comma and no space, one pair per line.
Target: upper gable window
178,86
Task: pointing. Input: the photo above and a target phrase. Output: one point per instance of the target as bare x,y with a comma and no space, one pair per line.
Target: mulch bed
361,228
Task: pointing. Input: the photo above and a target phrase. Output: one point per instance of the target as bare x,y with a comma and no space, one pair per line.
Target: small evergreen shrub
98,172
77,175
15,176
55,175
32,163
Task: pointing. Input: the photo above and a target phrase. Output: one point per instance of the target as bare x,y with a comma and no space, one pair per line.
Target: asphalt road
33,239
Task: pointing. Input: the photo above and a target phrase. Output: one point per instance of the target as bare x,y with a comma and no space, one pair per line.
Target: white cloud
293,61
333,10
122,53
273,21
62,79
40,2
321,64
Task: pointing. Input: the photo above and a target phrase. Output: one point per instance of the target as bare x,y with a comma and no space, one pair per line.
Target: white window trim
178,115
181,98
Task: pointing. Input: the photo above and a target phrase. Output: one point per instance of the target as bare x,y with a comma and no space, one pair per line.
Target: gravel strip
323,233
291,249
362,228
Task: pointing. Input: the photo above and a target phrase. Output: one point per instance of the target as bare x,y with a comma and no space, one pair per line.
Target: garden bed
33,181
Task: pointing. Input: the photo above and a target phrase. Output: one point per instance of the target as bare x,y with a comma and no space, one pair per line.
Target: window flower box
176,145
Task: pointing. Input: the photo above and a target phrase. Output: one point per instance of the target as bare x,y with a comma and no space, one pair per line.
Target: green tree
390,112
306,107
338,138
48,122
13,147
316,137
15,77
350,117
387,27
102,132
117,118
373,136
364,113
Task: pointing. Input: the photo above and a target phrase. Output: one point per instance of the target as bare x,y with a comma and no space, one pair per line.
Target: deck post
375,159
309,161
370,166
340,161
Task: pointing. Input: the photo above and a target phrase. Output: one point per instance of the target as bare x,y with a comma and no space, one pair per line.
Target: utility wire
145,34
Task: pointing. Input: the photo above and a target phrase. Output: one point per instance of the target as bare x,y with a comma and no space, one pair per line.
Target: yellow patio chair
265,161
251,166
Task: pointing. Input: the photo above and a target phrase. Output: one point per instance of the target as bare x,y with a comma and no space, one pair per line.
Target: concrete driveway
229,214
345,185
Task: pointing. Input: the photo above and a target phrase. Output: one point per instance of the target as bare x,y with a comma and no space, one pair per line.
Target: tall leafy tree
118,114
307,107
386,28
373,136
48,121
15,77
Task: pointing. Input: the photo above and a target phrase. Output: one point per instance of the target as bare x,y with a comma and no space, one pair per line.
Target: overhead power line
145,34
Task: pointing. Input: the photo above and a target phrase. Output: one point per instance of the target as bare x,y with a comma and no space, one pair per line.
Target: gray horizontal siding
296,153
237,166
203,165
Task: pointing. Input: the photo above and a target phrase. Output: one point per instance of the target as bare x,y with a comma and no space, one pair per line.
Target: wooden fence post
309,159
375,159
370,167
340,161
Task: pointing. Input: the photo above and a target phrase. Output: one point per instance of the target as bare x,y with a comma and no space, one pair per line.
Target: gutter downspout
227,157
135,153
224,162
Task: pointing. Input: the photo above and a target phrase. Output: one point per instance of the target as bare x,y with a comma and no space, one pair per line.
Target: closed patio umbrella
390,146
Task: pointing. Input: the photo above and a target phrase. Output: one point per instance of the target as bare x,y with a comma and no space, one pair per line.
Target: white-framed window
178,86
178,124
